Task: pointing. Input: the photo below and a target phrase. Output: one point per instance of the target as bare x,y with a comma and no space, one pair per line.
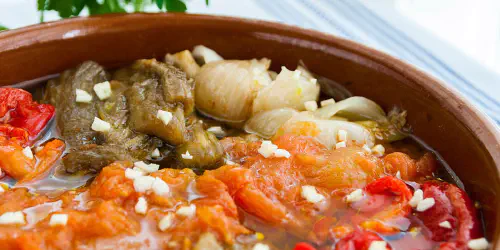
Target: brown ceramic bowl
465,138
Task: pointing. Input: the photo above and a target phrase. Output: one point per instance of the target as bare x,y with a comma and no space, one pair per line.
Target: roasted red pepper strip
47,156
18,109
10,98
303,246
18,134
12,159
358,240
15,163
399,208
453,205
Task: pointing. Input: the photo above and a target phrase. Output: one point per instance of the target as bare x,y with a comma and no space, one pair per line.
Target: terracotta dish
466,139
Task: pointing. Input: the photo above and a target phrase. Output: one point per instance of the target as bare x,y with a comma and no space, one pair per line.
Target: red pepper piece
33,118
391,186
358,240
303,246
11,132
380,192
10,98
18,109
453,205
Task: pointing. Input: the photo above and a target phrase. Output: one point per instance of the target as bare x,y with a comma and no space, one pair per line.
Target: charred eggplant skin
205,148
144,102
138,93
74,120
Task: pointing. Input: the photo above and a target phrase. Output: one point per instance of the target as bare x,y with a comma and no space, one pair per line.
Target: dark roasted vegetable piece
115,110
74,120
93,157
184,60
174,85
144,100
204,147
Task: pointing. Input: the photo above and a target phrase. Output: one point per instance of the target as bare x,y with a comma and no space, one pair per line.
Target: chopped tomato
215,193
321,228
241,186
19,198
271,188
111,183
408,168
105,212
426,165
403,163
104,219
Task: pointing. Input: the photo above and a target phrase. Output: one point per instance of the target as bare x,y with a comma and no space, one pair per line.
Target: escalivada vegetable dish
199,152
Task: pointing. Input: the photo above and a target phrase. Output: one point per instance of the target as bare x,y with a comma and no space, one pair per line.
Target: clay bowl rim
481,126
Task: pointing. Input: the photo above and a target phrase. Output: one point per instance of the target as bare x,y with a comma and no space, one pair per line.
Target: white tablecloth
457,41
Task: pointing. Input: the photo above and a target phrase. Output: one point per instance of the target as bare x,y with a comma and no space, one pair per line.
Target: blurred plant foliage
2,28
69,8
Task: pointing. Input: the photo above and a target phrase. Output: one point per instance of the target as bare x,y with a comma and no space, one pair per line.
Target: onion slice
290,90
355,108
266,123
225,90
325,131
205,55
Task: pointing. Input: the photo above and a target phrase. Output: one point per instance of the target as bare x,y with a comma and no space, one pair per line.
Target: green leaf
78,6
108,6
138,5
114,6
63,7
175,6
69,8
41,4
3,28
207,2
159,3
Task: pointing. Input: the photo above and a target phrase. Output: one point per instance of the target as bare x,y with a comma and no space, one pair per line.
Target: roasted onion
290,90
205,55
225,90
266,123
325,131
355,108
